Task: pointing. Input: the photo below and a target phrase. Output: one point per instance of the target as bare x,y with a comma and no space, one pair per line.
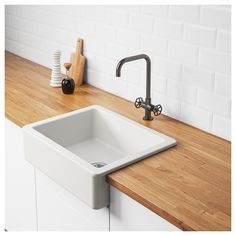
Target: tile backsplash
189,47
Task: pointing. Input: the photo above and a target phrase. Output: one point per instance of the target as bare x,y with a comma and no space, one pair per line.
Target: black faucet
139,101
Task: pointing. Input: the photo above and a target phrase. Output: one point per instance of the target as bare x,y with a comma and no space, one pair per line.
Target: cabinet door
58,209
128,214
20,204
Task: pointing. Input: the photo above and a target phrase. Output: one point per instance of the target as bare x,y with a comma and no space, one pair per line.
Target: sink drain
98,164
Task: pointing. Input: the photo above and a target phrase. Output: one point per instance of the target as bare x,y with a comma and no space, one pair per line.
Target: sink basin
78,149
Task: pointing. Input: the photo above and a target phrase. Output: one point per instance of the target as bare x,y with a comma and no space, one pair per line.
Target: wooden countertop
189,185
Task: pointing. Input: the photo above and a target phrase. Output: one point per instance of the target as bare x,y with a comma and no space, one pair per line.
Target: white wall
189,47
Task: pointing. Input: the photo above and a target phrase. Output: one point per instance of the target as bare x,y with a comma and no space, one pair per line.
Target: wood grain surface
189,185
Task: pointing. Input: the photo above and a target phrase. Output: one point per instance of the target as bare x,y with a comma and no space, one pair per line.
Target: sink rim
118,164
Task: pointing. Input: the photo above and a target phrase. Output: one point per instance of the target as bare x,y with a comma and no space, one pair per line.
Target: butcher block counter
189,185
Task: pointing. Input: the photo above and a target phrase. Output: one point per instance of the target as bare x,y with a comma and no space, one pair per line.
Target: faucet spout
148,70
139,101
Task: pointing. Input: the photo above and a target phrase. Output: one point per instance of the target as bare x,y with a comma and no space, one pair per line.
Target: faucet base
148,118
148,108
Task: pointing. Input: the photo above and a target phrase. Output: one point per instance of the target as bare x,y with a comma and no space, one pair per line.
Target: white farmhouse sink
79,148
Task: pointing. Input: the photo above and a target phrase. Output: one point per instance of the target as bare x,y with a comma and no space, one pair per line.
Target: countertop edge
160,212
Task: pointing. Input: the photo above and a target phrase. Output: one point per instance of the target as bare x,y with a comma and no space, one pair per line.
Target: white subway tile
45,46
141,23
57,21
222,127
130,74
204,36
128,8
128,38
154,45
10,33
181,92
139,63
45,17
155,10
198,77
95,78
197,117
95,12
223,85
167,68
105,32
182,52
30,12
223,42
160,66
65,10
159,83
158,98
170,107
134,92
216,17
84,28
213,102
68,23
226,6
94,45
168,29
104,65
7,20
185,13
215,60
29,53
115,51
106,82
90,61
116,18
116,86
44,31
14,47
53,8
21,24
11,9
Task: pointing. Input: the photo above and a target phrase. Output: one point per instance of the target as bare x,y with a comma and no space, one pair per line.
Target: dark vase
68,85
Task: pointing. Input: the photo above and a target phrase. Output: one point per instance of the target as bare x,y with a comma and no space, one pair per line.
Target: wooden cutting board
78,61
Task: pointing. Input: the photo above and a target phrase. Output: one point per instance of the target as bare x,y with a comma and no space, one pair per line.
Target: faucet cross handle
138,102
157,110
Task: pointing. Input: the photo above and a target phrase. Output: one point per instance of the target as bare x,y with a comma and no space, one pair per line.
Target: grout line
179,116
168,50
198,57
168,12
211,123
200,15
214,83
216,40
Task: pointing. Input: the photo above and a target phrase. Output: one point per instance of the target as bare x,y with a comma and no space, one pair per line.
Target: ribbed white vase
56,76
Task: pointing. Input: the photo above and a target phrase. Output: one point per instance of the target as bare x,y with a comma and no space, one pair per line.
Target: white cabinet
20,204
58,209
127,214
